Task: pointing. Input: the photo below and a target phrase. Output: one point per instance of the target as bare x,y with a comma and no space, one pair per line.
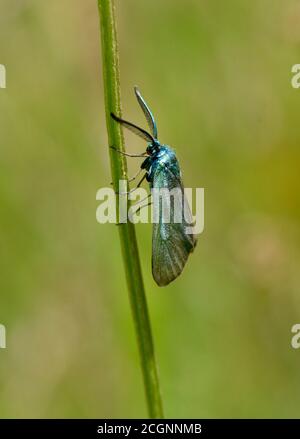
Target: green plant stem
127,232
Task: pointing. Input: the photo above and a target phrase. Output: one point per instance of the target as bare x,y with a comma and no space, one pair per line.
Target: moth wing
171,244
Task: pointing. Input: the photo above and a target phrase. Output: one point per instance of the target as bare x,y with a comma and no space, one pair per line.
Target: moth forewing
171,244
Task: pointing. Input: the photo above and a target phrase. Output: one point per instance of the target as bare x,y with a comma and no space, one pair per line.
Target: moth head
153,147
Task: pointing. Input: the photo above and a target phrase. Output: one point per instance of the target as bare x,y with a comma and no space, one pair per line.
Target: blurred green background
217,77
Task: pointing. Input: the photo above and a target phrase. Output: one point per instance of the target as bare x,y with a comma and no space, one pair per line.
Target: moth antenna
134,128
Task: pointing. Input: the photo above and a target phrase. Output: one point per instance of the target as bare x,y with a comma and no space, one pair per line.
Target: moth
172,240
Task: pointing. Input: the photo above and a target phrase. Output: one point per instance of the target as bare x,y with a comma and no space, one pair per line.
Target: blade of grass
130,253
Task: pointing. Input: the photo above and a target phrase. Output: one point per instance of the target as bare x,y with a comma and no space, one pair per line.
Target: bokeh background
217,76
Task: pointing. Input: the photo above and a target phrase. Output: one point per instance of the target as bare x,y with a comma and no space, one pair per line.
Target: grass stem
130,252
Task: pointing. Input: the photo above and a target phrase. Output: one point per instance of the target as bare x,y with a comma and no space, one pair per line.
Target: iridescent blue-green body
171,244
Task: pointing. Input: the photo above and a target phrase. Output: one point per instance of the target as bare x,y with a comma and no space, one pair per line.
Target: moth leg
144,205
131,214
131,178
143,199
125,153
135,188
139,183
135,176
